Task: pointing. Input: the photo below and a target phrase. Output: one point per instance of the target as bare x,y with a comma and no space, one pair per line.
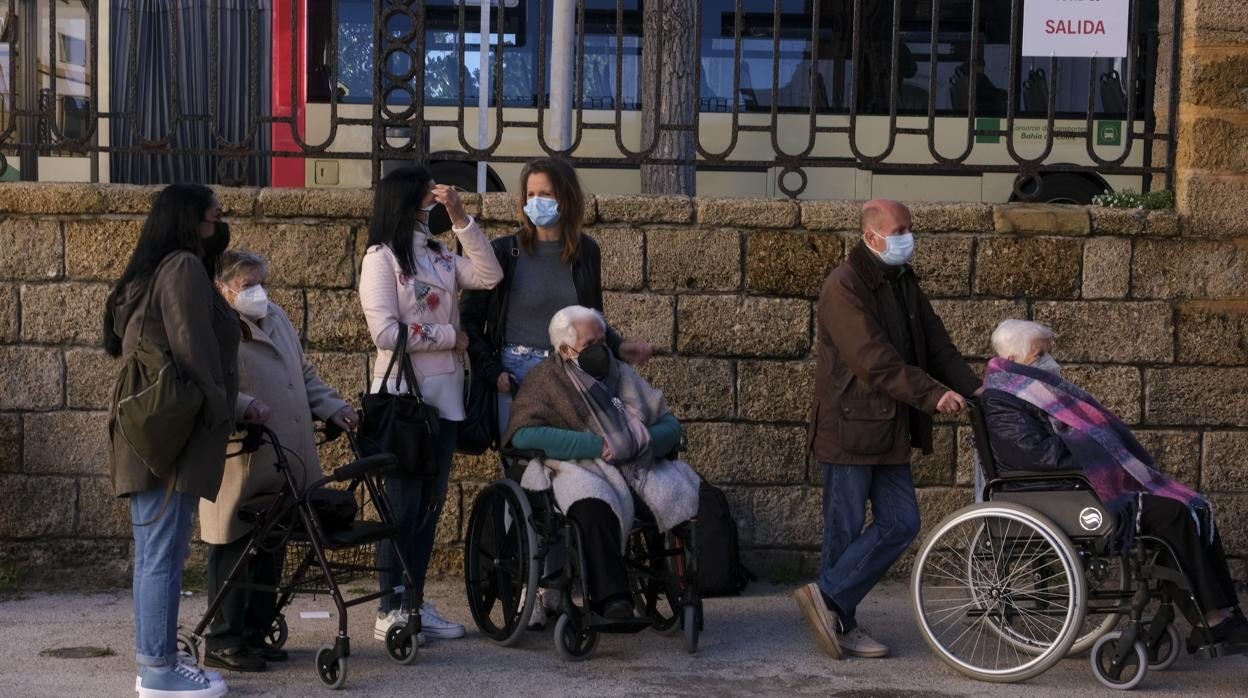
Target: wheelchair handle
363,466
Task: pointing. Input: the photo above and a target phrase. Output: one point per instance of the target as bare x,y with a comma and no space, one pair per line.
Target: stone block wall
1151,313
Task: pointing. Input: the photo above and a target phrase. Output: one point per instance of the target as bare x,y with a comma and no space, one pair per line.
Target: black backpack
720,572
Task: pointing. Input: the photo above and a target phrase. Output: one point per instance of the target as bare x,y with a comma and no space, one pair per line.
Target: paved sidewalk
755,645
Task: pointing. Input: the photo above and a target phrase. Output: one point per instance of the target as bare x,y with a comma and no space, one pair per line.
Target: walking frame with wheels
1005,588
518,542
316,559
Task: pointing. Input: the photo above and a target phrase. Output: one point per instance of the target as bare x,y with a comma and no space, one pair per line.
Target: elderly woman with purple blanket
1038,421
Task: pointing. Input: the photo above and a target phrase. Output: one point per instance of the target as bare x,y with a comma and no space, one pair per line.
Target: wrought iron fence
239,91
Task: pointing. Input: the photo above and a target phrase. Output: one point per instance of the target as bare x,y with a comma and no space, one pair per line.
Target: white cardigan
428,303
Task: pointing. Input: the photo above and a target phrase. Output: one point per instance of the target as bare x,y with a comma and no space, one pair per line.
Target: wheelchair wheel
574,641
500,572
1124,675
279,631
1166,653
656,591
998,592
1104,576
330,669
691,625
402,651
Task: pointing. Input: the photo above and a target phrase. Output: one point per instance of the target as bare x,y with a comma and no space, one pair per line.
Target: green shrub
1130,199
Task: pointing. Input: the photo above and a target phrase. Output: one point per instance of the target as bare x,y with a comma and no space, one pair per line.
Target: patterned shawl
1117,467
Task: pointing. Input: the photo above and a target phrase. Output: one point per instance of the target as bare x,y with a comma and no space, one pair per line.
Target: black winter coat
1022,436
483,314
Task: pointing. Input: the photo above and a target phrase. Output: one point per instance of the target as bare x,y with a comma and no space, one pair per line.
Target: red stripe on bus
288,172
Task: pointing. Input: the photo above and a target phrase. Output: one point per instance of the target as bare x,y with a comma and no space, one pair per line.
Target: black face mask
216,243
595,360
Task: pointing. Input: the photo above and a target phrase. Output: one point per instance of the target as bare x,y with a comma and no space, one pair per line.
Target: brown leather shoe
857,643
823,622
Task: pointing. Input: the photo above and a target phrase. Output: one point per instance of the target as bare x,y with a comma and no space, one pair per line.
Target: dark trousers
1203,561
416,506
245,614
606,575
853,559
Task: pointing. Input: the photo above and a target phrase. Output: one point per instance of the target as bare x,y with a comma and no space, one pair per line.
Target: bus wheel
1068,188
463,176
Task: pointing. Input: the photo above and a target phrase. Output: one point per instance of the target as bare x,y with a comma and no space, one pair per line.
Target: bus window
352,72
600,49
759,57
71,70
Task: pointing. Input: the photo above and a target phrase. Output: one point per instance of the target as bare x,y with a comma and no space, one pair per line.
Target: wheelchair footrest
1221,649
609,625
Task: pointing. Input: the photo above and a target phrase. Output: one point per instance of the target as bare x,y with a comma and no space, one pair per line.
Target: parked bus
776,78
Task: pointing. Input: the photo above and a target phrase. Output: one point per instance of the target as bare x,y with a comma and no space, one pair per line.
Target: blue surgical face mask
898,249
543,211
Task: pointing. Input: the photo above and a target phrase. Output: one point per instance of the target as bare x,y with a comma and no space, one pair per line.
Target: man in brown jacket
885,365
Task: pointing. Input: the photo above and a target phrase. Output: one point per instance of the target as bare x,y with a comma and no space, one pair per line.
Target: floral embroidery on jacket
445,260
427,299
424,332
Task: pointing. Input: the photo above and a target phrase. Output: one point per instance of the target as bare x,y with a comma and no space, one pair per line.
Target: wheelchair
1005,588
518,542
316,558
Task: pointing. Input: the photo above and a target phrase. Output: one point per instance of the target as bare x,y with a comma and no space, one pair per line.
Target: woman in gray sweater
550,264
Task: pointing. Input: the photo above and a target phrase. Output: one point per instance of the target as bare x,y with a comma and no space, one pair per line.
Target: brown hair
567,190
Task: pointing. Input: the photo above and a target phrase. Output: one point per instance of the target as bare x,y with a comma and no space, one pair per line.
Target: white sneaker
395,617
436,626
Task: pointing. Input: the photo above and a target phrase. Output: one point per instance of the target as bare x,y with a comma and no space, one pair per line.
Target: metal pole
483,91
562,60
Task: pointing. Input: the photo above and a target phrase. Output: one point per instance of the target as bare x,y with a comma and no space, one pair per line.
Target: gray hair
1016,337
237,260
563,324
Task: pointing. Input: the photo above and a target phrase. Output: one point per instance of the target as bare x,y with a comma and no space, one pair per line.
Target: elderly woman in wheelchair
1076,530
608,509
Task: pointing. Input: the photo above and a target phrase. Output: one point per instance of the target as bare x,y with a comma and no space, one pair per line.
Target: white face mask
1046,362
252,302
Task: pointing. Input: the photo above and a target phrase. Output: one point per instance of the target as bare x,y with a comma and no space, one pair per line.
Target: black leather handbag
479,430
401,423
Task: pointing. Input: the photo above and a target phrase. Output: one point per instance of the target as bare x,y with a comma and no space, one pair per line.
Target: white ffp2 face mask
1047,363
252,302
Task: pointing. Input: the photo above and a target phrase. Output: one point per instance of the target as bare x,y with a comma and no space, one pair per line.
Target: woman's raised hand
449,197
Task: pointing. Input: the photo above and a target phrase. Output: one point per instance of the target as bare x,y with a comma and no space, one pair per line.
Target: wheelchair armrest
523,453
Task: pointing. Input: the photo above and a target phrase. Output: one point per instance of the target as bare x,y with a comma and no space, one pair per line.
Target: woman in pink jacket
409,278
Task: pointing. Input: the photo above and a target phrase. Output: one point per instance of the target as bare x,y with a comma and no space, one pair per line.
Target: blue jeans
517,365
160,550
854,560
416,506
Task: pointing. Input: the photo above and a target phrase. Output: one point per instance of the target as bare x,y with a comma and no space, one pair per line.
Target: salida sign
1075,28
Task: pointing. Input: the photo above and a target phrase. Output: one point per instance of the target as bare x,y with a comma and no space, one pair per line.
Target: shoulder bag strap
400,346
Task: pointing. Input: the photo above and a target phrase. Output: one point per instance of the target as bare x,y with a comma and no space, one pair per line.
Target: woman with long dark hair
550,264
165,299
410,279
